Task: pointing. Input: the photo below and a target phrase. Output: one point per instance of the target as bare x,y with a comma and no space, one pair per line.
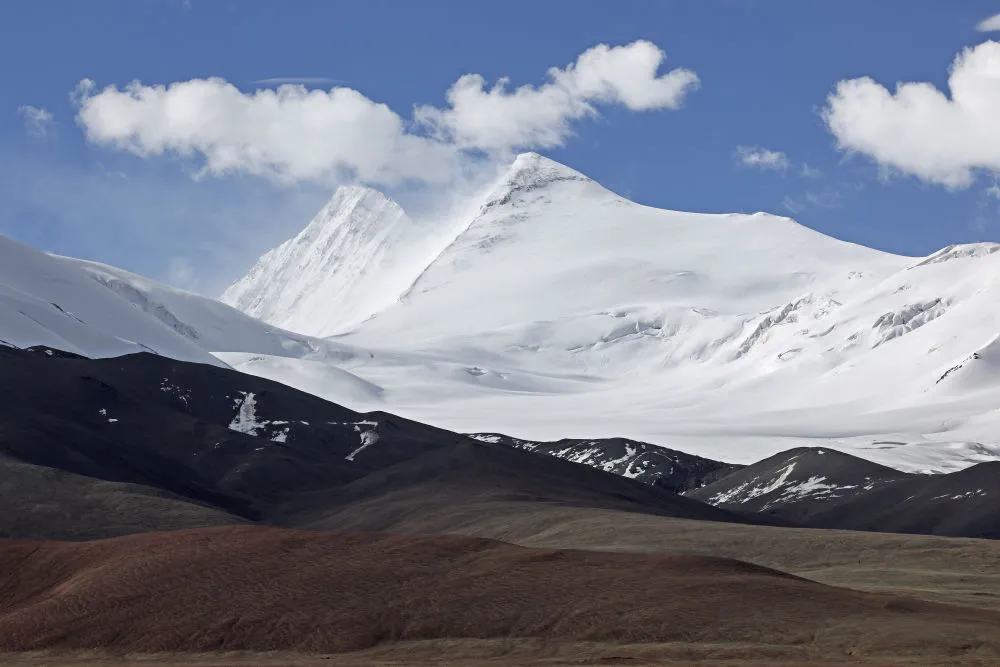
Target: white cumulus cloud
498,119
992,24
294,134
761,158
290,133
36,119
921,130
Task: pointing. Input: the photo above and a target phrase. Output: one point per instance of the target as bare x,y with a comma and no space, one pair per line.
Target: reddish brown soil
263,589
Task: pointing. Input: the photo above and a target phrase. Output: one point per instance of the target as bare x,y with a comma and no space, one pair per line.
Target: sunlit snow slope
549,244
564,310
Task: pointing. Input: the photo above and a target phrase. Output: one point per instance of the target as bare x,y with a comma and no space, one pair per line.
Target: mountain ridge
564,311
229,448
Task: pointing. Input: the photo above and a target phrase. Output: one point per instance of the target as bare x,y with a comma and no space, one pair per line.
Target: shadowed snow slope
356,256
561,310
59,302
99,311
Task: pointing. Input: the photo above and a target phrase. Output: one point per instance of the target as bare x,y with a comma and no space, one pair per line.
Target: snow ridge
354,258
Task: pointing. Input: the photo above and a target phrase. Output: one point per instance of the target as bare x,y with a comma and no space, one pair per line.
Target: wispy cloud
824,199
181,273
811,172
36,120
757,157
303,80
793,206
761,158
992,24
994,191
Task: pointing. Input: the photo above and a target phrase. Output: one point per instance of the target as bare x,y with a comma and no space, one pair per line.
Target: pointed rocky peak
529,172
355,201
350,260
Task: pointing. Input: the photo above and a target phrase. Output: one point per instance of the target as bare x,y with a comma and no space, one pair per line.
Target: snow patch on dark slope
650,464
263,451
823,488
795,484
959,504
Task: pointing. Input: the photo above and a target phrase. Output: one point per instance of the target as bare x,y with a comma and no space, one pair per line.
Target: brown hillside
250,588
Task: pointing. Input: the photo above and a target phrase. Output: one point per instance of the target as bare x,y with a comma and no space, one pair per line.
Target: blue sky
765,69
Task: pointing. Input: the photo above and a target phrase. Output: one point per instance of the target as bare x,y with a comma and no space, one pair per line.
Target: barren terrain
265,590
956,570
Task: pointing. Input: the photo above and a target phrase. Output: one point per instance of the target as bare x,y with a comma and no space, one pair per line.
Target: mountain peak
534,170
350,198
337,271
531,171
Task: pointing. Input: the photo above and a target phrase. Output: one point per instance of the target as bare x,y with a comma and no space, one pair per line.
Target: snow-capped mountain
549,245
559,309
355,258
